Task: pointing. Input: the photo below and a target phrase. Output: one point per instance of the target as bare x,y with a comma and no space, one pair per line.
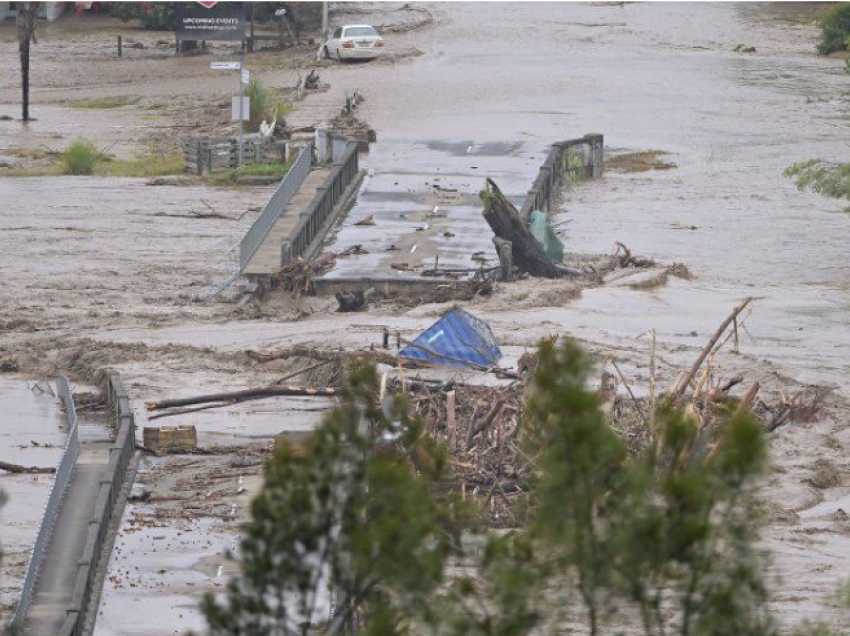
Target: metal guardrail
257,233
312,220
54,500
120,456
563,161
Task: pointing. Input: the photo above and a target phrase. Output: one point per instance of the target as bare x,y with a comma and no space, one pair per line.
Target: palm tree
25,20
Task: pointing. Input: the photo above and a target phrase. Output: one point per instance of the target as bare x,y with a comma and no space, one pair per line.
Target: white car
354,42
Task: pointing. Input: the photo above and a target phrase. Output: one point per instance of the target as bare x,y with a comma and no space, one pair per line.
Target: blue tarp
457,339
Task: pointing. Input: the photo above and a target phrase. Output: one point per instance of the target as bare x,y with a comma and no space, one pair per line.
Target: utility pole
324,19
26,19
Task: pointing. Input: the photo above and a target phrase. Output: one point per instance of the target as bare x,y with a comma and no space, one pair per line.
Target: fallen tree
506,223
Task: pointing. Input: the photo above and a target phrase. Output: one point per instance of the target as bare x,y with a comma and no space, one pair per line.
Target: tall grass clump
81,157
835,29
264,104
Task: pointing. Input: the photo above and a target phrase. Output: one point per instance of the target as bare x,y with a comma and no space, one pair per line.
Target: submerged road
662,76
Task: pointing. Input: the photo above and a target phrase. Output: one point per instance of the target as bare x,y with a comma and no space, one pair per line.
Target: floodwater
648,76
32,433
496,84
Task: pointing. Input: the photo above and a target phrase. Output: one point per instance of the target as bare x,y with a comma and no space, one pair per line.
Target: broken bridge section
417,222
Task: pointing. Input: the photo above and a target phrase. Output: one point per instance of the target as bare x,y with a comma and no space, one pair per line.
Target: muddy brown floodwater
108,260
32,433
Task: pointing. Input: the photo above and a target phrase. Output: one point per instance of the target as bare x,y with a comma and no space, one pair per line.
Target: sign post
239,111
243,79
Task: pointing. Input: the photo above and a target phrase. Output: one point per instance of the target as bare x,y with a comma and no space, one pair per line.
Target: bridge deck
55,583
267,258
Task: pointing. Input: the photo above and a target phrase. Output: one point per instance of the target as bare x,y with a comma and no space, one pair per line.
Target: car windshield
359,32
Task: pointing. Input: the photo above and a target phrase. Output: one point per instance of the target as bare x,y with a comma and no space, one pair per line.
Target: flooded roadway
661,76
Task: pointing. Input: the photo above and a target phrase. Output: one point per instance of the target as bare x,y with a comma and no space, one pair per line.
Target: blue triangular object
457,339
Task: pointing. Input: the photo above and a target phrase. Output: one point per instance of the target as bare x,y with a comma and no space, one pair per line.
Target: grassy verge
103,103
639,161
231,177
36,154
149,165
82,157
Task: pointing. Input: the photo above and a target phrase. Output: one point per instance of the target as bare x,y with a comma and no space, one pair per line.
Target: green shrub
829,179
835,29
264,104
158,16
81,157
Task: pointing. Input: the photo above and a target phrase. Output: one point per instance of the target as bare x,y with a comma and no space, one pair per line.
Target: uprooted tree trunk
507,224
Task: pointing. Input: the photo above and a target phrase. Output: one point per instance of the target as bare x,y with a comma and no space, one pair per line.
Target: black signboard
224,21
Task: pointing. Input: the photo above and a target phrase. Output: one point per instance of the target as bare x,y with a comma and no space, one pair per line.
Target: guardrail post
595,142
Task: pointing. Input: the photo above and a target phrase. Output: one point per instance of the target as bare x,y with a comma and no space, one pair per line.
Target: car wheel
325,53
338,56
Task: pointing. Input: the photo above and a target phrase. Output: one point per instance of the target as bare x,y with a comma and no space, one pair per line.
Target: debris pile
351,126
480,425
296,277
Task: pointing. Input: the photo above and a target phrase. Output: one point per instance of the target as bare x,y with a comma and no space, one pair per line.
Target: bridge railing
346,165
261,227
54,500
567,161
120,456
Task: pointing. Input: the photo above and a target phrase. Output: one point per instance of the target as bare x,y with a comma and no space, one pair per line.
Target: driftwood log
16,468
300,351
683,384
241,396
507,224
627,259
